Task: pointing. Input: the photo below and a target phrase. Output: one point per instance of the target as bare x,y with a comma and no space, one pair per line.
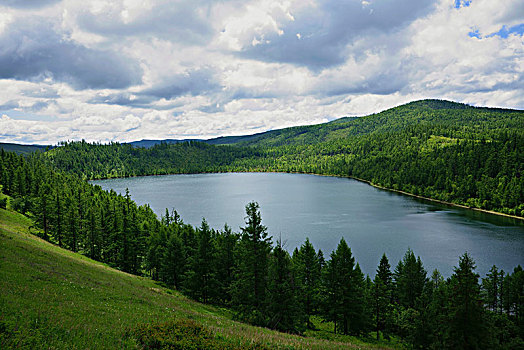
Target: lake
325,209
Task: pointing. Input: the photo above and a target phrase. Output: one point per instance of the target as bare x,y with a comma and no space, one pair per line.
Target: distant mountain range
22,149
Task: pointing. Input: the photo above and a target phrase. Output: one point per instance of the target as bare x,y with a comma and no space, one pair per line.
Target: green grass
324,330
51,298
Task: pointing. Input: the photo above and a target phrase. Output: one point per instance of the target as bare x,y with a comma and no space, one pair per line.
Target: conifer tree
382,297
410,278
344,283
201,277
308,274
467,315
491,289
250,285
171,257
284,312
225,260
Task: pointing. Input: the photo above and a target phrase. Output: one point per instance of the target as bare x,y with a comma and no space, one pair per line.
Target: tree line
258,279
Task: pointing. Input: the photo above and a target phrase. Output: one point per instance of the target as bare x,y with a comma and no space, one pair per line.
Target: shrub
3,203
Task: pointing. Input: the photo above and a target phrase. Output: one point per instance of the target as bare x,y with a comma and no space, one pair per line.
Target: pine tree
308,272
382,296
329,290
225,260
344,285
410,278
467,314
284,312
173,261
201,282
42,210
491,289
250,285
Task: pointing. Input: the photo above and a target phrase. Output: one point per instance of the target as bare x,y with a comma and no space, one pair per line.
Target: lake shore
437,200
360,180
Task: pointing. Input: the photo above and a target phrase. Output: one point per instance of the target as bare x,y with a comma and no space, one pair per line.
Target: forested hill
22,149
428,111
447,115
436,149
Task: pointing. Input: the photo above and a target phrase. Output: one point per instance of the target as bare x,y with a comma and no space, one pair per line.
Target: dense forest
253,275
436,149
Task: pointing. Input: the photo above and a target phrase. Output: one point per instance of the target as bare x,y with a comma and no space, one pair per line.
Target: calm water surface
325,209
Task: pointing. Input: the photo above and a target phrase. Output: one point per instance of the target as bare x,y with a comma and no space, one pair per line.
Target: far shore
349,177
439,201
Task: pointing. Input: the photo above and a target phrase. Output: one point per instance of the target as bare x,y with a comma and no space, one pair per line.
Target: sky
125,70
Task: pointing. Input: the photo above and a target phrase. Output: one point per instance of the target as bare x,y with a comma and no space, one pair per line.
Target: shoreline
438,200
347,177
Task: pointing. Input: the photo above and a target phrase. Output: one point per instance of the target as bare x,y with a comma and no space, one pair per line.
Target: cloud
40,91
122,99
9,105
28,4
193,82
33,50
127,69
320,36
185,22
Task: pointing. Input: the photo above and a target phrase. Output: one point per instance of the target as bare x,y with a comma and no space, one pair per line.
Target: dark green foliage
201,277
250,285
225,262
308,278
382,296
22,149
98,161
410,279
344,286
513,297
467,325
284,312
492,287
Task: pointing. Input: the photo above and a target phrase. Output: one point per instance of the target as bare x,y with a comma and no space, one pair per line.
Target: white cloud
170,69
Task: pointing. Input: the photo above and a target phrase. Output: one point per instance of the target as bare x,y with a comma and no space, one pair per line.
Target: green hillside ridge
56,299
22,149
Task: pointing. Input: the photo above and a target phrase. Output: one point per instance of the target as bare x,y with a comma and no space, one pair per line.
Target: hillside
53,298
429,113
397,118
22,149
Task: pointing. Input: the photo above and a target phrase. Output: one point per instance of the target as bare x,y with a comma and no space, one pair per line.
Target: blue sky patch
474,34
20,115
462,3
504,32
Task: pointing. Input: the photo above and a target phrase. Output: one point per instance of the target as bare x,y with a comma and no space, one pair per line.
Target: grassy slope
53,298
